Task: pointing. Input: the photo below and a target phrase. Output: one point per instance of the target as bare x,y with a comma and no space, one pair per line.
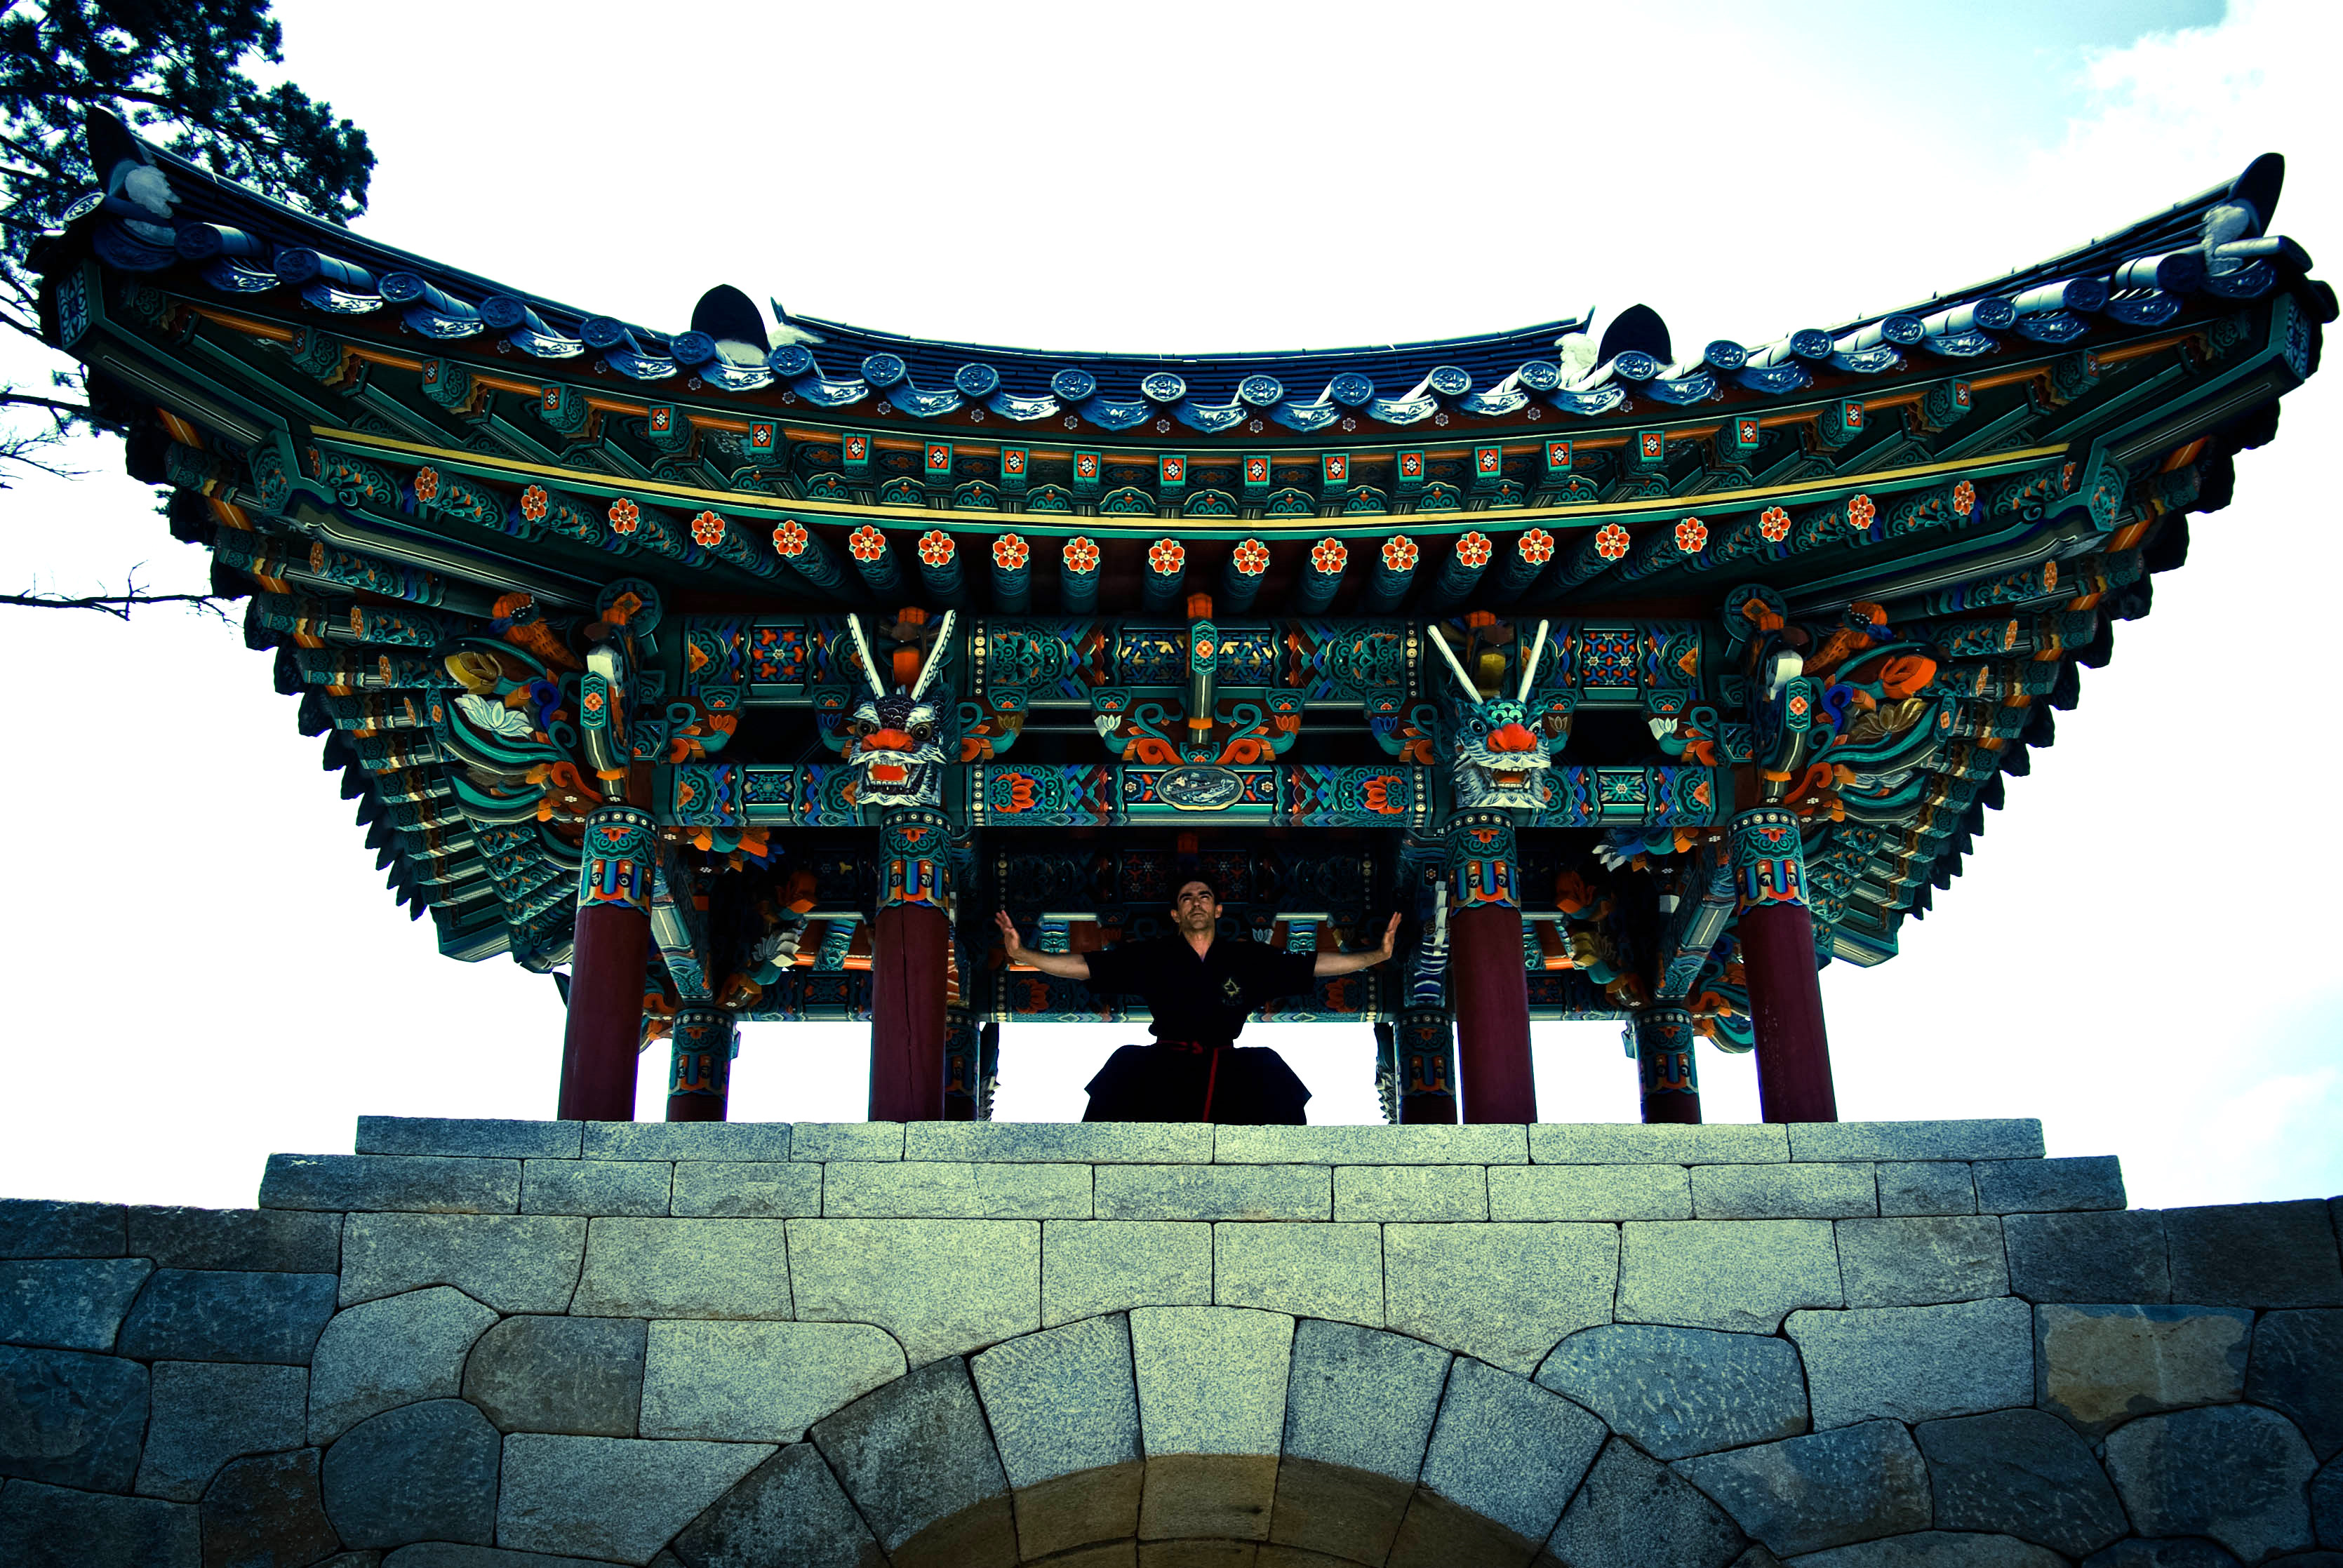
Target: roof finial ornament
135,190
1574,352
730,317
786,332
1639,330
2244,215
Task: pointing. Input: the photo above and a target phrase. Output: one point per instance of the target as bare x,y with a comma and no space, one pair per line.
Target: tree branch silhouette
119,604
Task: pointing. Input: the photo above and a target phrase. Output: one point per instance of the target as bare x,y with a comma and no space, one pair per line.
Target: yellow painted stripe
595,482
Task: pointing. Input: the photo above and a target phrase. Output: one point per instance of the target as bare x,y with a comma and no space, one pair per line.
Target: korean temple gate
748,670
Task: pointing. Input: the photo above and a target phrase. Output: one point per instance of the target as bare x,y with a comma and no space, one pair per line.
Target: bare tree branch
26,450
64,410
37,448
119,604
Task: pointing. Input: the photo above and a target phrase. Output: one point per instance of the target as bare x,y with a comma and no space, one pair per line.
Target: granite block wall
480,1344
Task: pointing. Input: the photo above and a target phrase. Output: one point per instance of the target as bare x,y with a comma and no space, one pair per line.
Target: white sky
204,968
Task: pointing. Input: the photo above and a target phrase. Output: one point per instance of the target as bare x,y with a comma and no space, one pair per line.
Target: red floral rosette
1166,557
1691,535
790,539
1774,525
1080,555
1610,541
1536,547
1010,552
865,543
1400,553
1251,557
706,530
625,516
1329,557
1473,550
936,548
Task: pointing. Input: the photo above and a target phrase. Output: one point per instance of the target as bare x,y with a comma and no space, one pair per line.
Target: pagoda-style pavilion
746,669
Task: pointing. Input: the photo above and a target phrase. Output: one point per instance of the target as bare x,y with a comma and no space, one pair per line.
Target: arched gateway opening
1217,1435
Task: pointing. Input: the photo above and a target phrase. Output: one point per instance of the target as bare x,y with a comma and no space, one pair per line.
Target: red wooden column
606,968
1777,955
910,950
1487,983
699,1078
1663,1040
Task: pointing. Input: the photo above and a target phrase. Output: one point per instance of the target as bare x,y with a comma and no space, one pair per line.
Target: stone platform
496,1344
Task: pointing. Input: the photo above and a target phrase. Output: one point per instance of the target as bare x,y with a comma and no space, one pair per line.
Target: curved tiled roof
2141,275
392,452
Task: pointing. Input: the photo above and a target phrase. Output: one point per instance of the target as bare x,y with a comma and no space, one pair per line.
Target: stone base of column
1663,1040
964,1067
699,1077
604,1034
1490,990
1425,1045
910,945
1785,1008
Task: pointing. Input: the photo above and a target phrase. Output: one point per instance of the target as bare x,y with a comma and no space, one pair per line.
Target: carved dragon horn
935,655
862,646
1529,669
1472,692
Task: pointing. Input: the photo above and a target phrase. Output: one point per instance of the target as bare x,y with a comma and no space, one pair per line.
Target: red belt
1211,1075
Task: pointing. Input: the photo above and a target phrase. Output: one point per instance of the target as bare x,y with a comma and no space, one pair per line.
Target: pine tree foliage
177,72
180,74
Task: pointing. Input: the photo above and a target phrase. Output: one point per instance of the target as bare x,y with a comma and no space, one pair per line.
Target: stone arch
1209,1435
1901,1389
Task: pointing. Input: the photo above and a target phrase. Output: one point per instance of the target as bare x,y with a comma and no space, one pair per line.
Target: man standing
1199,990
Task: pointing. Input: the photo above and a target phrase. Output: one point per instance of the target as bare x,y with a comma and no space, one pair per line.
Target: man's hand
1065,966
1346,963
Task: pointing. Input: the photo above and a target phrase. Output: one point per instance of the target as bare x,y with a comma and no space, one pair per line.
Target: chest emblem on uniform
1231,990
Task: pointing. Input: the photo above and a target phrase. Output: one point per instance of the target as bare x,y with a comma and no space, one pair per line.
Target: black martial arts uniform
1195,1071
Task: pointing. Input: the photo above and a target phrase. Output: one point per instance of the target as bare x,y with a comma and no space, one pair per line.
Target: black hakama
1245,1085
1195,1071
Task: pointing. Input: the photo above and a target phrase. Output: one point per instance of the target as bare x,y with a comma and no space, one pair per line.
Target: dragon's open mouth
1509,781
890,773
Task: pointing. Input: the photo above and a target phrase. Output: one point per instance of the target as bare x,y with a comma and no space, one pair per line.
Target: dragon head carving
899,738
1501,756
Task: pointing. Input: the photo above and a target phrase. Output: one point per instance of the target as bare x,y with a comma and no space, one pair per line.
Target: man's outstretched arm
1065,966
1366,958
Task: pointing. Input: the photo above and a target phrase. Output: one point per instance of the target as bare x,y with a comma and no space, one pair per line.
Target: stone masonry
513,1344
